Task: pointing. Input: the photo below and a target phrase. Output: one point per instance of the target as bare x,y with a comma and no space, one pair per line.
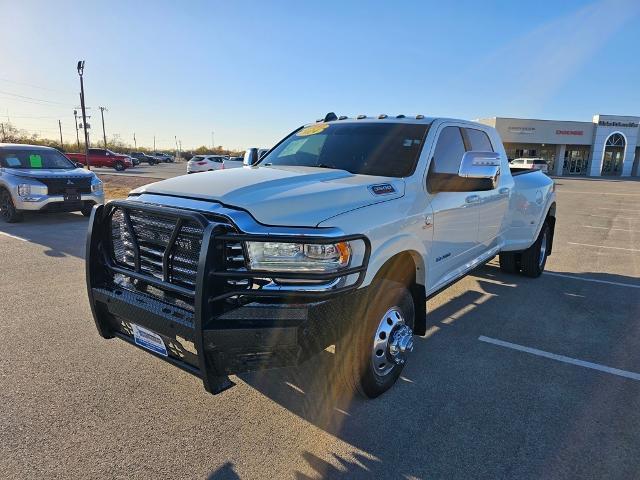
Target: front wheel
8,210
374,351
119,166
534,258
86,210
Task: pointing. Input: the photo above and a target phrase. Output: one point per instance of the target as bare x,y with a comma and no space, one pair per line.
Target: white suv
532,163
206,163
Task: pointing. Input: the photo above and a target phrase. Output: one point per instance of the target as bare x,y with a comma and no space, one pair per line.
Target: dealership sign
606,123
523,130
570,132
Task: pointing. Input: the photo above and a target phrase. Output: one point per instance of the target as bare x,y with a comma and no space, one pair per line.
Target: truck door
455,211
494,204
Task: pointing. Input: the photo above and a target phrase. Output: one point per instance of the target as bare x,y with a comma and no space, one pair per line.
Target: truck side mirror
250,157
79,165
480,165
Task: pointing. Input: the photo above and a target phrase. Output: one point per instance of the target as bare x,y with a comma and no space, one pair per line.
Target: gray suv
35,178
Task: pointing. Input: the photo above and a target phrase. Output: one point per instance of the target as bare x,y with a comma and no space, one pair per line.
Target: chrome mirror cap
480,165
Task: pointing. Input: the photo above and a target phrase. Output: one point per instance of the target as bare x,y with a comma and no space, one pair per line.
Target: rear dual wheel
374,351
529,262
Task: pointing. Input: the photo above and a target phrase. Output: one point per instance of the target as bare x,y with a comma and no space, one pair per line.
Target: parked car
100,157
143,157
164,157
134,160
35,178
335,238
232,162
531,163
206,163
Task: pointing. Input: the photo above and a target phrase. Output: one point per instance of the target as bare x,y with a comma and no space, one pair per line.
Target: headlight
298,257
24,190
96,186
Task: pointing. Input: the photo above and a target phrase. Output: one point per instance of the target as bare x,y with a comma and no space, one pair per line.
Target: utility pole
104,135
154,144
175,137
213,144
135,143
75,117
60,127
84,114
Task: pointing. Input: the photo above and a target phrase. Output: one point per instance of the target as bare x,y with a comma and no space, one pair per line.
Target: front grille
235,261
153,235
60,185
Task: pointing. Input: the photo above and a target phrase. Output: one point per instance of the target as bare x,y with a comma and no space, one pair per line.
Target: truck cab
336,236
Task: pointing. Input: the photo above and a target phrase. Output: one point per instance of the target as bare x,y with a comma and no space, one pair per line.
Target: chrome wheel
543,249
392,343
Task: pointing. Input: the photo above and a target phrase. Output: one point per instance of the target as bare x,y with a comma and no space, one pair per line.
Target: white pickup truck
336,237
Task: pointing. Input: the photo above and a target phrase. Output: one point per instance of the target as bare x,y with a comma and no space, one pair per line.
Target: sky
252,71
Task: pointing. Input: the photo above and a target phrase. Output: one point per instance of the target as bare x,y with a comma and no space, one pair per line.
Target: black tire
86,210
119,166
510,262
8,211
355,350
534,258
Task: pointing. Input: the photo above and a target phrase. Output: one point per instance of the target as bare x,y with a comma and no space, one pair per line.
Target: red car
100,157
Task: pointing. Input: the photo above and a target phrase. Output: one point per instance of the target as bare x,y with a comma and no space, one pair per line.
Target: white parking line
562,358
602,246
610,216
607,228
13,236
594,280
600,193
618,209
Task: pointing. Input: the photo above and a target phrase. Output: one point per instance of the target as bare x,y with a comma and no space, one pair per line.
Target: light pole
75,117
84,114
104,135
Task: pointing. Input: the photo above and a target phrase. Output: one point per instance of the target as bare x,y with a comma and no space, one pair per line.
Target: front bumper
56,202
207,336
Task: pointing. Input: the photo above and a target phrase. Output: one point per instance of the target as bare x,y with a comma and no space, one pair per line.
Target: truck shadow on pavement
62,234
466,409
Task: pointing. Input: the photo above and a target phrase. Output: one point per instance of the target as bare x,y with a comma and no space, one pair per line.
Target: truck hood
36,173
283,195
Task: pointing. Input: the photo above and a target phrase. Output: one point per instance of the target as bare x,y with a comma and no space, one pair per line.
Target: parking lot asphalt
159,171
498,388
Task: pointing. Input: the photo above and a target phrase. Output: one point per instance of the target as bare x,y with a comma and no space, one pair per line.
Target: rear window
539,162
384,149
198,158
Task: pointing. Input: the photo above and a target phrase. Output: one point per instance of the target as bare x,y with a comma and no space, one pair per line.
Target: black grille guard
212,287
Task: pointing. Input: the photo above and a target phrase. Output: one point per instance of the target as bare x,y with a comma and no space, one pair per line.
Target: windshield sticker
292,148
13,161
312,130
35,161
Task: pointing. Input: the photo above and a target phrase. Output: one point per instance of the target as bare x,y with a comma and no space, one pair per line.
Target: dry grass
119,186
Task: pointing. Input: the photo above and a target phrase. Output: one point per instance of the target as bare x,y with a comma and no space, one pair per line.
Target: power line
31,98
35,86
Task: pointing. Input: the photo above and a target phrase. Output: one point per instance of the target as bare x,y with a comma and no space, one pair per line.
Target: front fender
405,243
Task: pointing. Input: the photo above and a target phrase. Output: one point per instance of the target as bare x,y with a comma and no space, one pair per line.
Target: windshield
34,159
384,149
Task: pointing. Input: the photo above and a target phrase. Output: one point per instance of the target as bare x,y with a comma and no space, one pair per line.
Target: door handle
472,199
504,191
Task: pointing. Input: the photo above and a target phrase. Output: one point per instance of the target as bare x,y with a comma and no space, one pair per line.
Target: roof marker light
342,117
330,117
382,115
360,117
400,116
419,117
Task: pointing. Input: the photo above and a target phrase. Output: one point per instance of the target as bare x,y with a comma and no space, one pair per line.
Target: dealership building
607,146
